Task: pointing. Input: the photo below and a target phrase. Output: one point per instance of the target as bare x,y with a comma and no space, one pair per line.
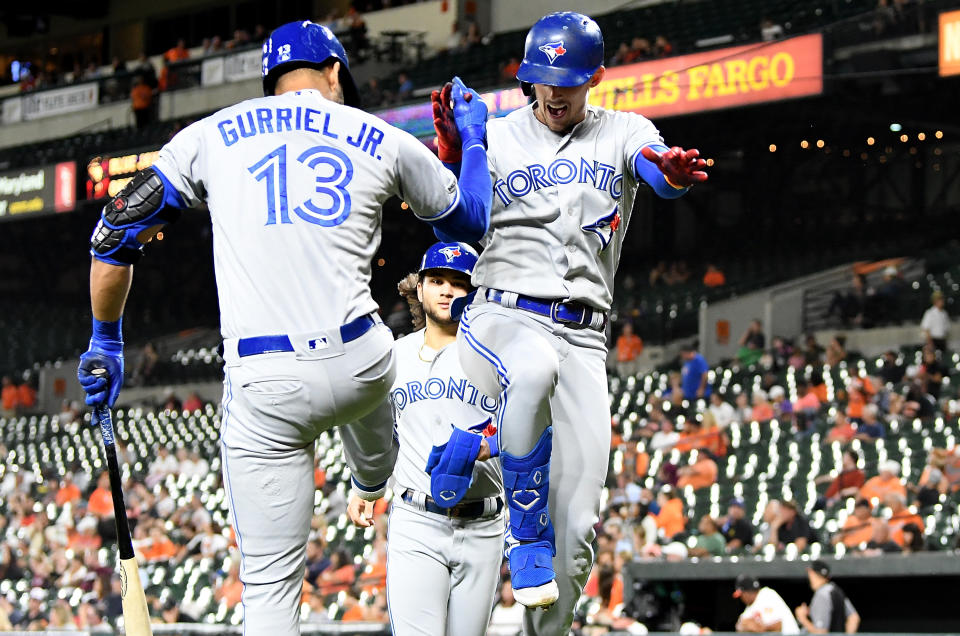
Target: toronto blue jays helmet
562,49
458,257
305,43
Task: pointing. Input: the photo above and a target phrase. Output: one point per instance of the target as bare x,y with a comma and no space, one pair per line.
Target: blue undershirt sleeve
649,172
470,218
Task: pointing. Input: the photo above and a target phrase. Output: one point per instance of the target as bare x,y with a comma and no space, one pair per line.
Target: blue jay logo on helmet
553,50
450,252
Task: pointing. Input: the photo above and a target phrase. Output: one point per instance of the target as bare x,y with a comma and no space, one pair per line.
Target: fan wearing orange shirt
888,481
900,517
629,347
701,474
100,503
68,492
714,277
857,529
670,518
161,548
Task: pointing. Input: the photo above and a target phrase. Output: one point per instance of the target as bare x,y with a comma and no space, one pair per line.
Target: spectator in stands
229,589
930,487
240,39
769,30
141,101
695,373
892,371
936,323
165,464
507,617
339,576
177,53
887,481
621,55
860,391
473,37
913,539
171,613
679,273
508,72
857,529
213,45
836,351
752,343
812,351
658,275
193,402
9,396
662,47
850,306
723,412
870,428
880,542
760,408
842,430
847,483
782,407
791,527
629,348
931,373
701,474
640,50
404,87
710,541
456,42
68,492
736,528
669,518
900,516
665,437
714,277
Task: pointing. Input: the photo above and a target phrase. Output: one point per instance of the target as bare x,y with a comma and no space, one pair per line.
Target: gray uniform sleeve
423,181
180,162
821,608
848,608
640,132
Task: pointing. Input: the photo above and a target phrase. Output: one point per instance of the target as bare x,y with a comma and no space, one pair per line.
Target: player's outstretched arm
128,222
670,171
470,218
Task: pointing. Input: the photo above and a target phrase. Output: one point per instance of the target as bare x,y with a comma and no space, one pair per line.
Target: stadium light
895,127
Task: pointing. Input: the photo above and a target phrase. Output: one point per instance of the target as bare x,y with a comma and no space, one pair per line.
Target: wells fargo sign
716,79
950,43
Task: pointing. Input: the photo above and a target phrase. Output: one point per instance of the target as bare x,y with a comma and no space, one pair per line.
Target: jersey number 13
333,171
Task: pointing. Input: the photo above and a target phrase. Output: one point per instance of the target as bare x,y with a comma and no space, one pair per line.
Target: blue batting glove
469,113
450,467
105,352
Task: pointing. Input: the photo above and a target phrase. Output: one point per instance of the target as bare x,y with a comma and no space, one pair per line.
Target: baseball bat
136,618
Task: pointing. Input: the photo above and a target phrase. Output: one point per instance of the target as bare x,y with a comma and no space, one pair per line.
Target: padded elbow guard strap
147,200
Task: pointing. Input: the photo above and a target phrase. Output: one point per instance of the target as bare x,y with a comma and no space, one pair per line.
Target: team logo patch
526,499
553,50
450,252
486,428
605,227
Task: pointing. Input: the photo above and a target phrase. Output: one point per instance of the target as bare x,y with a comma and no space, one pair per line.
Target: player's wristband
108,330
493,441
674,185
472,135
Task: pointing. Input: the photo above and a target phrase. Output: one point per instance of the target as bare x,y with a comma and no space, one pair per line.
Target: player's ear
420,291
332,73
597,77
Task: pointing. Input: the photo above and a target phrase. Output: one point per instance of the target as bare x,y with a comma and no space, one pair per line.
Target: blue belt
463,510
275,344
570,314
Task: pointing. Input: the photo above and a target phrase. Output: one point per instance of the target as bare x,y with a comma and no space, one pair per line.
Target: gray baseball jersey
561,205
429,395
443,572
295,185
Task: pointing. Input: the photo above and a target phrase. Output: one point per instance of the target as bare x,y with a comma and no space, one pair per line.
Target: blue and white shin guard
531,543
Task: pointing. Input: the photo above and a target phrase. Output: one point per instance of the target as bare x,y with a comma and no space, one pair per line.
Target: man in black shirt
792,527
736,529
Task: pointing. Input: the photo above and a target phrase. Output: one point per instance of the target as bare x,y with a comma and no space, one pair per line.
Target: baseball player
565,175
444,563
765,610
294,182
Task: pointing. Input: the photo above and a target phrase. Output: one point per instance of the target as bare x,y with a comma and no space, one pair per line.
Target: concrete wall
510,15
422,16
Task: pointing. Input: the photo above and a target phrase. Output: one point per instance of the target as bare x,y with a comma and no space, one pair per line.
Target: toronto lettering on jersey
523,181
438,389
265,121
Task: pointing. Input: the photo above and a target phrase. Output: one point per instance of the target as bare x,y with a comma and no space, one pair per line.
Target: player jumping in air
565,175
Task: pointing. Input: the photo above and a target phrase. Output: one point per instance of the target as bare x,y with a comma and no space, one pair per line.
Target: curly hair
408,289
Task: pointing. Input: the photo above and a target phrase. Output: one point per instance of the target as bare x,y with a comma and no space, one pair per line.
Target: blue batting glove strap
452,474
105,352
470,117
494,442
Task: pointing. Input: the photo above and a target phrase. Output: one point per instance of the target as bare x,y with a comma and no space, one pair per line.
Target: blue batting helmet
562,49
305,43
458,257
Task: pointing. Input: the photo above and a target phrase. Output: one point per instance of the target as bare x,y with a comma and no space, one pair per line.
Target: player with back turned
295,182
444,562
565,176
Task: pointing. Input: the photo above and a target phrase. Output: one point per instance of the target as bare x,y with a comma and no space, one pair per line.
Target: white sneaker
540,596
